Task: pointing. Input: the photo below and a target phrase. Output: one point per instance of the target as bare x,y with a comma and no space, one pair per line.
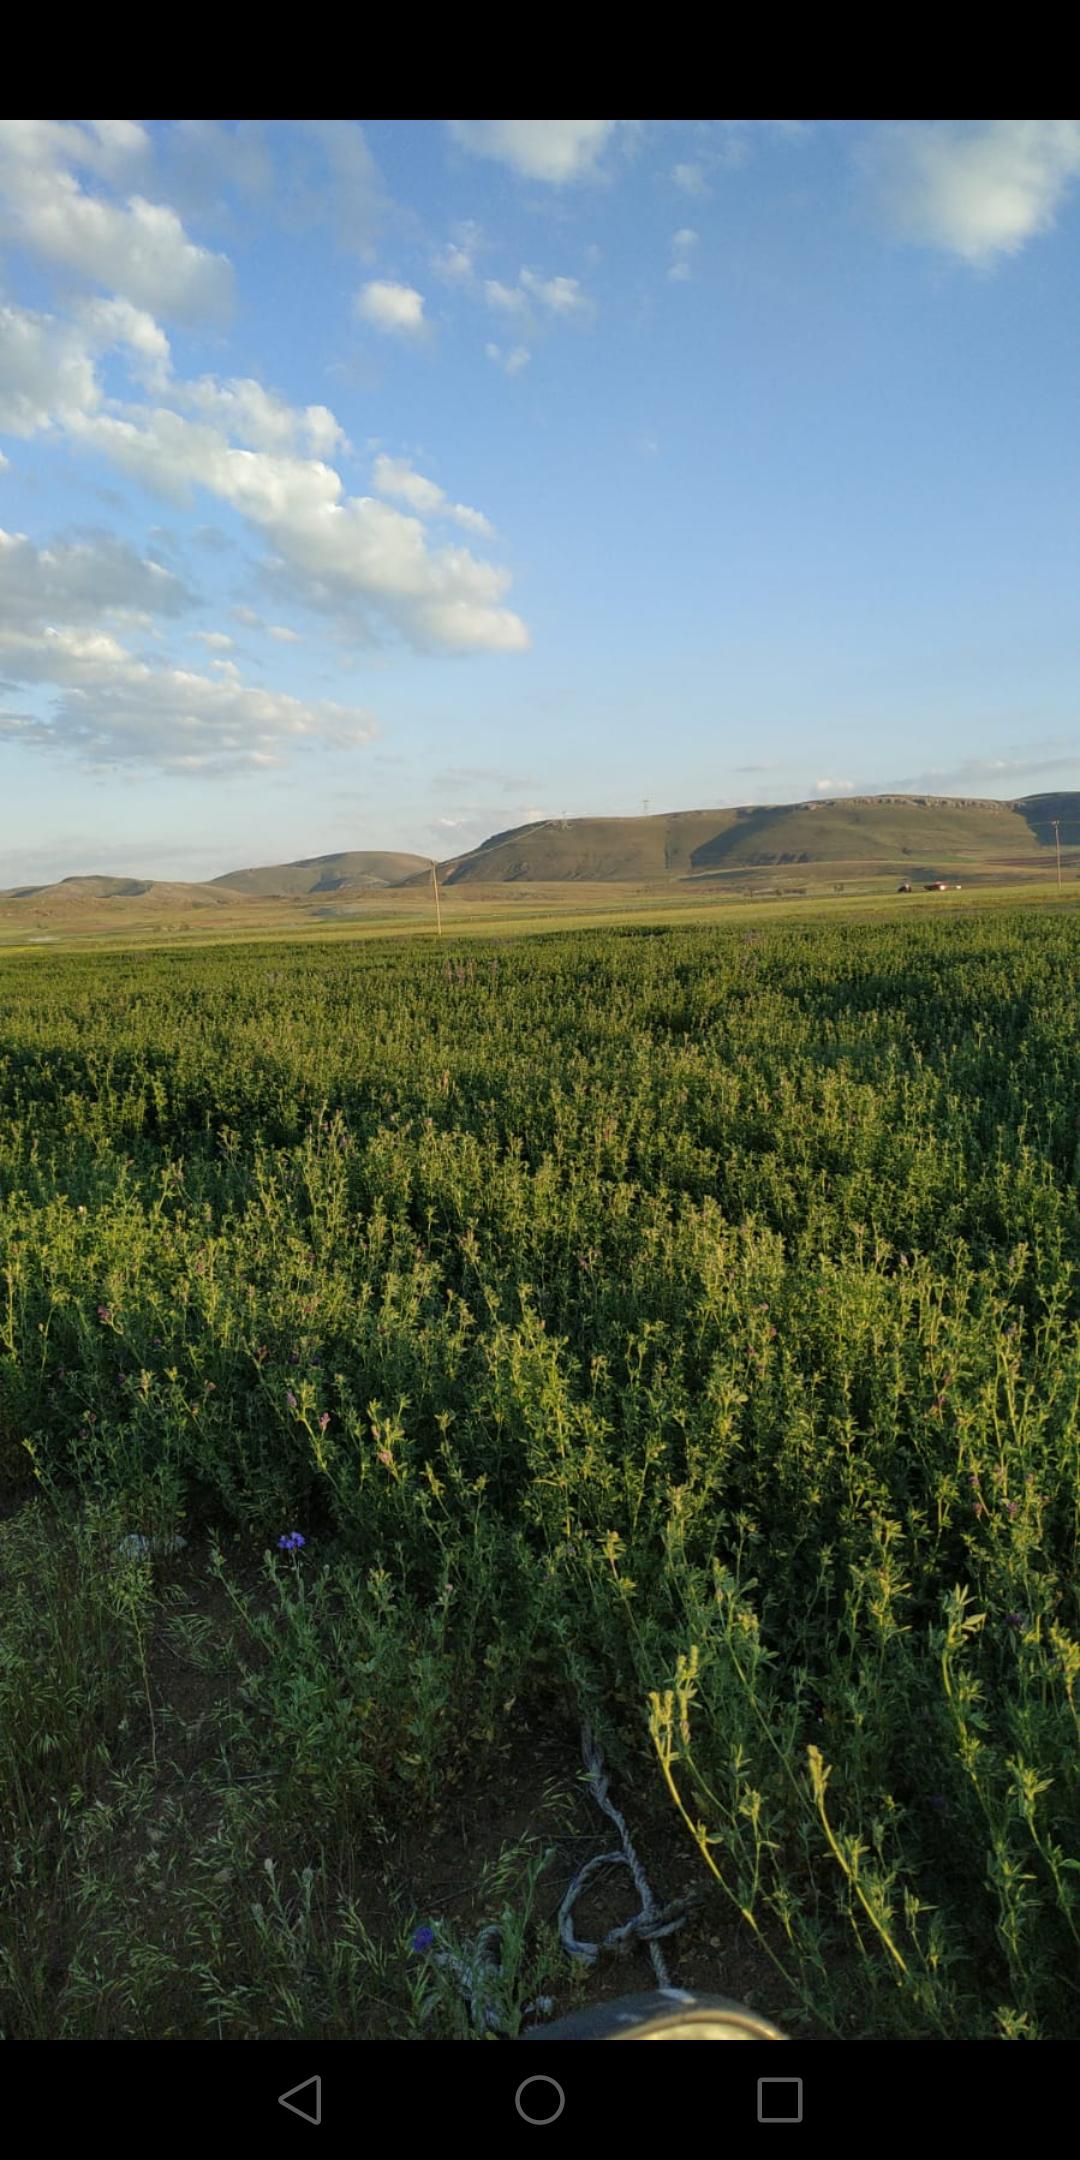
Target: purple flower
290,1398
423,1939
104,1315
291,1542
324,1421
1015,1619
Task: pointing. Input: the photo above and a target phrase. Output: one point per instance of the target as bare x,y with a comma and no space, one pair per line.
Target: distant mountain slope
917,837
356,872
591,850
884,832
69,894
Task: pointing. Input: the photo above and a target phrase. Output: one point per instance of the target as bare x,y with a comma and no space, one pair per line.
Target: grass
674,1325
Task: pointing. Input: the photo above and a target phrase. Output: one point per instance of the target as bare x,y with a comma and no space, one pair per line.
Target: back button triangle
311,2108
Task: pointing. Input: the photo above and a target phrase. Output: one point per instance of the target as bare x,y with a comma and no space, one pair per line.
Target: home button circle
540,2100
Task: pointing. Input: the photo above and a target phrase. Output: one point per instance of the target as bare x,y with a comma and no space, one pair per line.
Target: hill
901,835
364,870
787,847
73,893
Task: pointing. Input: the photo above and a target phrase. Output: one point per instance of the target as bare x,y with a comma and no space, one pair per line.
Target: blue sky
375,483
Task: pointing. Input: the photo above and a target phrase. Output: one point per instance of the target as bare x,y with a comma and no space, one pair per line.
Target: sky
393,483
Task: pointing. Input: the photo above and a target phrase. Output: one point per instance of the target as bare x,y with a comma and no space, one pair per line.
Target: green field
673,1325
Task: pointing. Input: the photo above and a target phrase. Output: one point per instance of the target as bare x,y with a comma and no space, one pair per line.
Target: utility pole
1056,823
645,806
435,890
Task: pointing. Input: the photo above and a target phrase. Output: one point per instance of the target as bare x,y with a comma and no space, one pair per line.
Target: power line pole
645,806
1056,823
435,890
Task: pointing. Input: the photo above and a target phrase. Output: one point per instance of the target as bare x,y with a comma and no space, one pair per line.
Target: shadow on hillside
1039,812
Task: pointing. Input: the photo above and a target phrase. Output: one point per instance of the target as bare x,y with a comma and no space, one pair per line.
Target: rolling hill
74,893
363,871
789,847
902,835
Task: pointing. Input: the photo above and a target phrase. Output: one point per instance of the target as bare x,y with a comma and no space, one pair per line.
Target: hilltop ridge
918,837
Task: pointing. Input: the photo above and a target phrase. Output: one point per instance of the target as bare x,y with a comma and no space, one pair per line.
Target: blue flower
292,1542
423,1938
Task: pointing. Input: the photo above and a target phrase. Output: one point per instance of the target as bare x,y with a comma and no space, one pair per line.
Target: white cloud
528,302
506,299
80,580
120,139
553,150
834,787
349,555
283,635
135,248
260,419
349,185
216,640
510,362
204,157
113,708
561,295
456,262
395,477
109,323
370,566
683,244
977,189
46,372
398,309
691,179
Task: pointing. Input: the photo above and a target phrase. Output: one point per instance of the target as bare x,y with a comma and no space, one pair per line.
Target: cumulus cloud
81,579
506,299
690,179
202,157
113,707
215,640
976,189
349,186
354,557
557,151
456,262
260,419
46,372
395,477
510,362
683,244
560,295
134,247
834,787
107,324
348,555
397,309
